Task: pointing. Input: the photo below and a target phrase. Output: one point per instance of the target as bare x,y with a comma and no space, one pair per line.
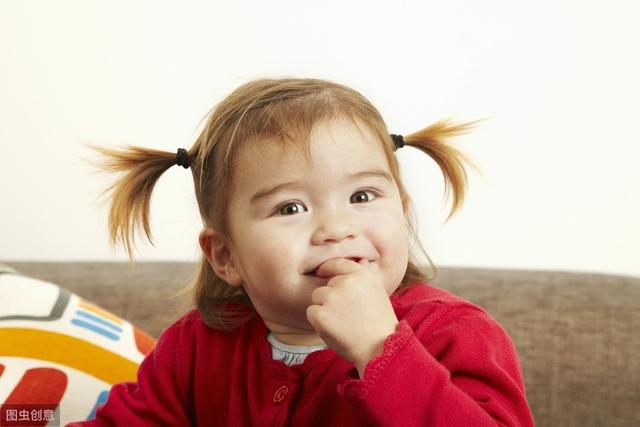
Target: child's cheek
395,256
283,251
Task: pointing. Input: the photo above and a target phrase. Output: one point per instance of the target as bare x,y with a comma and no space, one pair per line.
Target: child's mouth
315,270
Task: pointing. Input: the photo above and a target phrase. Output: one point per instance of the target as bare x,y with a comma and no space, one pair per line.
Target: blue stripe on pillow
95,328
99,320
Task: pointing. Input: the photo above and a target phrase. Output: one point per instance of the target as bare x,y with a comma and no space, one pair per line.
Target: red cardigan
447,364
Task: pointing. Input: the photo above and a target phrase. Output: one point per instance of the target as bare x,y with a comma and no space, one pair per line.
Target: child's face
278,238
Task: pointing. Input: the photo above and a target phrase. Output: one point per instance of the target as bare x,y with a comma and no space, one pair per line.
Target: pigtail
433,141
131,194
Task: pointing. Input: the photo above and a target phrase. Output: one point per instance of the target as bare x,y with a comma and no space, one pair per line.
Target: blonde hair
283,110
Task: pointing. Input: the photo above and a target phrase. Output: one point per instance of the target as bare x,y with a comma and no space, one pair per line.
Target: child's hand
352,313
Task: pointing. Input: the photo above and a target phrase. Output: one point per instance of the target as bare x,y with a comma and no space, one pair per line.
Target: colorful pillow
60,352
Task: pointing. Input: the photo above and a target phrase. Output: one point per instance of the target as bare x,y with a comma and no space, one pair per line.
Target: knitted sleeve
457,370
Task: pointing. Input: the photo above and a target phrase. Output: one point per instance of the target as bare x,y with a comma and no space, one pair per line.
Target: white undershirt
291,354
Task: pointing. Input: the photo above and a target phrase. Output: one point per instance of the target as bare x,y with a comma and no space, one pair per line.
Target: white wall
557,80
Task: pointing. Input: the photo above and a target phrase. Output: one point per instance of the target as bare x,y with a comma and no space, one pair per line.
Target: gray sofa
578,334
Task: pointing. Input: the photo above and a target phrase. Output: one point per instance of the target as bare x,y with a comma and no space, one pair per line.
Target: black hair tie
182,158
398,140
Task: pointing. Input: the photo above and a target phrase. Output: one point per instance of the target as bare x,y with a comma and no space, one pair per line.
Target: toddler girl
309,306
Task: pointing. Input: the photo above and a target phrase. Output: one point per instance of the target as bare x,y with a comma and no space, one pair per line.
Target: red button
280,394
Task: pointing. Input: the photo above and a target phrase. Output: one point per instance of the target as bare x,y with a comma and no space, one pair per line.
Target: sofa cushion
60,350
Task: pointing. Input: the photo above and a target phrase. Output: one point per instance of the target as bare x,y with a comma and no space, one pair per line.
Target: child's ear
218,253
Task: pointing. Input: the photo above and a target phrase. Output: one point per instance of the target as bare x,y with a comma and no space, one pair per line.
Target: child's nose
333,227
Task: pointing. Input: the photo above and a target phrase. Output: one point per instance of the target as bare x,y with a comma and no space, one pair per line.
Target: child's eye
291,208
363,196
